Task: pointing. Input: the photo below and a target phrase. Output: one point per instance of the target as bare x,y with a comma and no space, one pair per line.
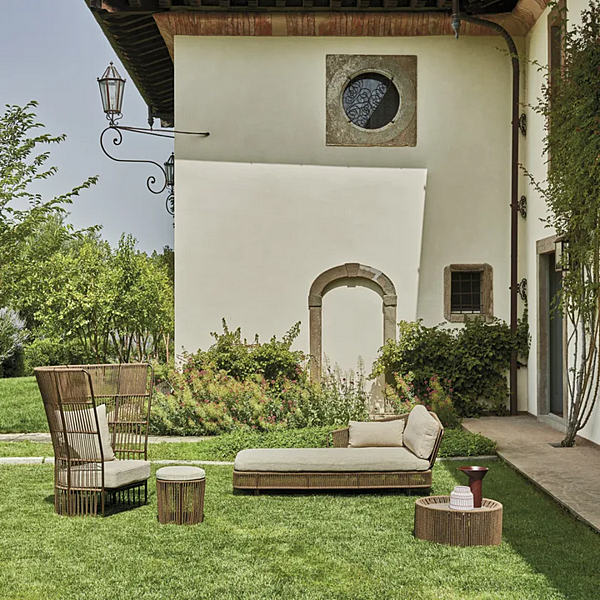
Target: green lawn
21,407
289,546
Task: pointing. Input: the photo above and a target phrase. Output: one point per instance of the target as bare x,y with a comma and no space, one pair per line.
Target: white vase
461,498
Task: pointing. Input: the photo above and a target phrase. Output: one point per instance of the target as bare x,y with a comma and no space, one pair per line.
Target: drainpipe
457,17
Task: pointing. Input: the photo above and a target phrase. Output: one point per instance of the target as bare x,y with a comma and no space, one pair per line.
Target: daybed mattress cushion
421,431
329,460
117,473
375,434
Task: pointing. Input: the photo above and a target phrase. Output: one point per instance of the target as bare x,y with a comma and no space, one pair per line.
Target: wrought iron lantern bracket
112,87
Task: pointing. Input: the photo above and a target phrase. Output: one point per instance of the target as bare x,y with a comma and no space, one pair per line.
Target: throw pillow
374,433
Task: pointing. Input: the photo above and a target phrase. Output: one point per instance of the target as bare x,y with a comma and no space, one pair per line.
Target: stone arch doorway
347,274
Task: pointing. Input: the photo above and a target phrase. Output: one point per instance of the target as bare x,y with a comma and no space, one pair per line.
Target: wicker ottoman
180,494
435,522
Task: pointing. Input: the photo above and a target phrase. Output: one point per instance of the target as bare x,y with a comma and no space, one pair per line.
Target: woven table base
435,522
180,502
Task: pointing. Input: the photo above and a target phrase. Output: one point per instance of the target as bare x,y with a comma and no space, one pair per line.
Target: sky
53,51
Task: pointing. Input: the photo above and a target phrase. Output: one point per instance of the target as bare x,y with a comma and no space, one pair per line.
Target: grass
300,546
21,407
456,442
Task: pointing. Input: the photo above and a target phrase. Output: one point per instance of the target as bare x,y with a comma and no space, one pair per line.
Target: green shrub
472,361
335,400
49,351
459,442
402,397
273,360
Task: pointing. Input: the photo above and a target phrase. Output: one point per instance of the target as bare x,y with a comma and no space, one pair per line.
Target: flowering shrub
404,396
206,401
337,399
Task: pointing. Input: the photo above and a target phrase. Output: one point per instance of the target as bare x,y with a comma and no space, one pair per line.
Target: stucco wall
263,101
252,256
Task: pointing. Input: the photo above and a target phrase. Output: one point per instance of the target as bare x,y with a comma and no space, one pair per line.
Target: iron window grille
466,292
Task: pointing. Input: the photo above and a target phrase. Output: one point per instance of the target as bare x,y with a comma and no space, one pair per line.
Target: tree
571,108
115,304
21,166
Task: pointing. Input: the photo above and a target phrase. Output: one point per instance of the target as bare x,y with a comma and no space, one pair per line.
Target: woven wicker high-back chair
98,417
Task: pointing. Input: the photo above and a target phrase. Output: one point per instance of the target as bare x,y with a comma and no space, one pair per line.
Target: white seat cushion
117,473
328,460
421,432
180,474
375,434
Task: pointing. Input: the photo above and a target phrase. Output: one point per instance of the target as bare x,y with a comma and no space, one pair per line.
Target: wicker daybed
340,467
98,417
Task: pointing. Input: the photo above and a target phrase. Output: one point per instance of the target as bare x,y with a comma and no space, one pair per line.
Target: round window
371,100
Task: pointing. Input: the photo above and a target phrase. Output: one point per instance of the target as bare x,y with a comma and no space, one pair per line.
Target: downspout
457,17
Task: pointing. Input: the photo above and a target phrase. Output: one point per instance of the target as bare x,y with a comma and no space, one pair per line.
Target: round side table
436,522
180,495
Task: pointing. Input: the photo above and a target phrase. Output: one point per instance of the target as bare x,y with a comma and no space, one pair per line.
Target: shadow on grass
555,544
110,509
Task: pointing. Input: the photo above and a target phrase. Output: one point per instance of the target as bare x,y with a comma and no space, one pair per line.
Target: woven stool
180,494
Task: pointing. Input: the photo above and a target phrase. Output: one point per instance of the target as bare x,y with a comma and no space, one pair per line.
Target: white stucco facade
263,101
264,205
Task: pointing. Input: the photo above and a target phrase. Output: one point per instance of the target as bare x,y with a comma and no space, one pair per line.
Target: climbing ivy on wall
471,361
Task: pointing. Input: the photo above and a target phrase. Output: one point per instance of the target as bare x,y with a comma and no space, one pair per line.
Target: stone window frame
487,289
401,69
353,274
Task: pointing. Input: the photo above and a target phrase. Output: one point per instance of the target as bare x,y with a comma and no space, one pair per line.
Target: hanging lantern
170,170
112,87
561,253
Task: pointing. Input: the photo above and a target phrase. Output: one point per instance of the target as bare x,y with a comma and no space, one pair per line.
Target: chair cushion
180,474
421,432
85,445
327,460
373,434
117,473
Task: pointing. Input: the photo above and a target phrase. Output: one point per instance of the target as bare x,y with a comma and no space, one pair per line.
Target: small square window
467,292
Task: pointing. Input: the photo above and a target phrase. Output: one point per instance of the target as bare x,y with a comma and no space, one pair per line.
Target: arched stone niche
349,274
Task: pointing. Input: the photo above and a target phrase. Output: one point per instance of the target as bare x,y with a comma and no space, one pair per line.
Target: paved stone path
570,475
152,439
